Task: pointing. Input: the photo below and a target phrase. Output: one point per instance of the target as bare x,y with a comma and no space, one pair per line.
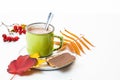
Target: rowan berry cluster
20,29
9,38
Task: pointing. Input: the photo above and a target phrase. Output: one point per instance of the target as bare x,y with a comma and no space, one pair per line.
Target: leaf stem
12,77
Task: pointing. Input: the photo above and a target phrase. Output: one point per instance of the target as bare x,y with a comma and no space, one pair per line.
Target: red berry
15,27
16,30
9,39
24,31
16,38
20,28
4,35
20,32
4,39
12,38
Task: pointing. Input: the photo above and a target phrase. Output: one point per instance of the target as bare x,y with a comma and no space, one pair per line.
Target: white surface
98,20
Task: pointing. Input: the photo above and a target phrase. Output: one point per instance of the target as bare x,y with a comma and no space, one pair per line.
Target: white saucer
45,66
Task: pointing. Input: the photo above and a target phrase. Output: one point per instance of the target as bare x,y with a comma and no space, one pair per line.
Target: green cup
40,40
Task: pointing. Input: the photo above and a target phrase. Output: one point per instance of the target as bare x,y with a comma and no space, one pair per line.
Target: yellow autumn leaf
40,61
35,55
23,26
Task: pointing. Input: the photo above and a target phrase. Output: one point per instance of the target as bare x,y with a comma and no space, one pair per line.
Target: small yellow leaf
35,55
23,26
40,61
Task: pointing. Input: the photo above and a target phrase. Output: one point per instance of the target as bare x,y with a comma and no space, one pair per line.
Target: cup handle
61,42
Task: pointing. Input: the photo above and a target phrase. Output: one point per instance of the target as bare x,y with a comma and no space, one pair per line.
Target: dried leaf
58,43
78,39
88,41
74,46
21,65
84,44
71,47
71,33
63,47
35,55
75,43
80,47
39,60
66,35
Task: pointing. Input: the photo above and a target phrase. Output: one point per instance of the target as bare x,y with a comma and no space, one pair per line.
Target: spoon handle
50,16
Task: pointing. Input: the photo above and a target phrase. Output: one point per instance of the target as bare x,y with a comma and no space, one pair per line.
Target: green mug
40,40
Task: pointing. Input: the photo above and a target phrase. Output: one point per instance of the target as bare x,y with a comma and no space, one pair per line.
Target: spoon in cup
50,16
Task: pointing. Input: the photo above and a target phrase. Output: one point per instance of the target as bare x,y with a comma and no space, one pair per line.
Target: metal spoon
50,16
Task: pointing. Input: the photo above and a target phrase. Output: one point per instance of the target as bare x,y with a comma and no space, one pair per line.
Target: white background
98,20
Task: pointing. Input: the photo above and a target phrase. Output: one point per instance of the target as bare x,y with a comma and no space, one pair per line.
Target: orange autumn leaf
63,47
75,47
80,47
74,42
71,33
77,38
87,41
84,44
67,35
58,43
71,47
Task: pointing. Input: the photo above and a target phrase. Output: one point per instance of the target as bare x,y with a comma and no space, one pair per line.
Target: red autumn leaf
21,65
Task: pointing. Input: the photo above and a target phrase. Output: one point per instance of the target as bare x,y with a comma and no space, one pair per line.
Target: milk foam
39,30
